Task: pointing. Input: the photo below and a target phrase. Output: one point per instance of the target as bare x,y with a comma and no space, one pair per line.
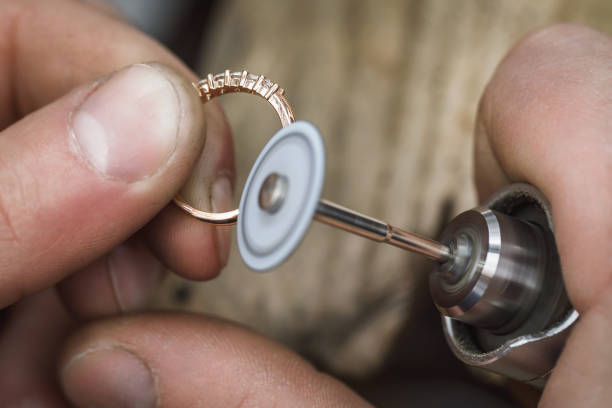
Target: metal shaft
272,196
371,228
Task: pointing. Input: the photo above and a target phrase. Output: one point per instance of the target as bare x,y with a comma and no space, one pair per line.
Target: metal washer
296,152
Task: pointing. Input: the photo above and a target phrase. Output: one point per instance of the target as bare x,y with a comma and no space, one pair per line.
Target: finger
84,173
189,360
119,282
192,248
544,119
30,341
583,373
76,43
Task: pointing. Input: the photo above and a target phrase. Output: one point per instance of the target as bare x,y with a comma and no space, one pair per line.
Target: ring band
226,82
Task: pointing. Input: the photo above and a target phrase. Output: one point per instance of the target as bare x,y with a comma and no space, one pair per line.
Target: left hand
86,164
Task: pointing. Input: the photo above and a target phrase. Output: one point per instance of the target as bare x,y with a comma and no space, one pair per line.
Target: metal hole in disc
281,196
272,193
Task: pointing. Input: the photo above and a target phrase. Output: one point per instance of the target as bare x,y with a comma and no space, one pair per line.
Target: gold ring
226,82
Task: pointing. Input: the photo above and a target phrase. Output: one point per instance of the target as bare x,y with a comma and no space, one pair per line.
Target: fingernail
221,201
134,273
111,377
127,127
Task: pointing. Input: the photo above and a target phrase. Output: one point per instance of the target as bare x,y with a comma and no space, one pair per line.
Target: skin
56,254
543,119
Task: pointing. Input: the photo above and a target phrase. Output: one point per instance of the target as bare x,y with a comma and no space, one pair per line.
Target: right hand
546,119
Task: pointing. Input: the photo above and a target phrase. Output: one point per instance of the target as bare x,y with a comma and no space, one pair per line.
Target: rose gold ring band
237,81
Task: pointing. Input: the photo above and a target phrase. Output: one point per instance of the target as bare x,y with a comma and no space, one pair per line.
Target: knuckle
548,68
558,35
556,45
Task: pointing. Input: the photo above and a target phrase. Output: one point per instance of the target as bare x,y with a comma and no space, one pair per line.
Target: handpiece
496,278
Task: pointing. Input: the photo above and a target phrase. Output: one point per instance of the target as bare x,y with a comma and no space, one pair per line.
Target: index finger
48,47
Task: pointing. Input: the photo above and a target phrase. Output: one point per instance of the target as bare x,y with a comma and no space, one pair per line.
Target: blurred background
393,86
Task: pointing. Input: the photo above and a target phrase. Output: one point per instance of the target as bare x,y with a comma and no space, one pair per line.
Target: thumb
85,172
181,360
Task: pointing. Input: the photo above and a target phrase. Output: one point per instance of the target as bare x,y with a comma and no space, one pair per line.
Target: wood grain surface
393,86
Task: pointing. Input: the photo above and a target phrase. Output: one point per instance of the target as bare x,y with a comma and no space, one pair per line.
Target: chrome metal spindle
272,195
351,221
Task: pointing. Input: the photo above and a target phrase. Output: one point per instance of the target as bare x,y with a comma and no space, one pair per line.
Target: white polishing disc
296,152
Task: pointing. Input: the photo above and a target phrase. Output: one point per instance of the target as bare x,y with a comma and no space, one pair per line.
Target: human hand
545,119
84,182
